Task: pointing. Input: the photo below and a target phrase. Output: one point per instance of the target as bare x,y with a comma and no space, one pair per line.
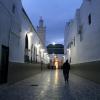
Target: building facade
31,45
82,34
19,41
10,30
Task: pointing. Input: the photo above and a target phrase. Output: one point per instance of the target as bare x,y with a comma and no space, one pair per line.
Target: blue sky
55,14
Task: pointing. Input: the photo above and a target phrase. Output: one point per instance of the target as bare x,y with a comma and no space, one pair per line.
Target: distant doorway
26,42
4,65
56,64
26,58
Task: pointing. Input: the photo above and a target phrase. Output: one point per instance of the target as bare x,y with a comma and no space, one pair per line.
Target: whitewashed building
31,44
82,34
15,27
10,28
19,41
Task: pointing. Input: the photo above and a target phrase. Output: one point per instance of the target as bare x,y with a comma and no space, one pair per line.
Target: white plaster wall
66,39
8,26
89,48
37,41
5,26
13,29
15,32
70,34
32,39
24,31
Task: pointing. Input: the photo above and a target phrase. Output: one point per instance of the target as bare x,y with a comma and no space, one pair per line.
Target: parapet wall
20,71
90,70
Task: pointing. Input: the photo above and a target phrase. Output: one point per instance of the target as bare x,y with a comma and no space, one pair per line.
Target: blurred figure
41,65
66,68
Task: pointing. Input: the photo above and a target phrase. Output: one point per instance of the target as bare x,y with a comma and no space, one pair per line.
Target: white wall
10,27
70,35
5,26
88,49
32,39
15,32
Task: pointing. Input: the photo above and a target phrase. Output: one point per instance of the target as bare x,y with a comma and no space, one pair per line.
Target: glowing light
69,52
30,34
45,53
37,45
42,50
53,43
48,80
42,92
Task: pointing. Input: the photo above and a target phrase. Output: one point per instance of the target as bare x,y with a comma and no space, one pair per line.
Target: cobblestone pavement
50,85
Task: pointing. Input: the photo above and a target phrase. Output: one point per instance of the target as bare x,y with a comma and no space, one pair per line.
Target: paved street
50,85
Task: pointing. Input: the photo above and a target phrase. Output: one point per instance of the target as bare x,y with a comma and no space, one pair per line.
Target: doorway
56,64
4,64
26,57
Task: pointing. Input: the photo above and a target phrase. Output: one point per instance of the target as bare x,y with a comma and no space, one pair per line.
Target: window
13,8
89,19
74,40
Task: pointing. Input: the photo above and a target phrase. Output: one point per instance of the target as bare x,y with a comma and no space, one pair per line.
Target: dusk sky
55,14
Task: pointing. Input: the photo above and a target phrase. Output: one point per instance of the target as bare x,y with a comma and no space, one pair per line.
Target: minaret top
41,18
41,22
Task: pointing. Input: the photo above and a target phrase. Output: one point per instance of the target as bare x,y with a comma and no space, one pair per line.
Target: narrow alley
50,85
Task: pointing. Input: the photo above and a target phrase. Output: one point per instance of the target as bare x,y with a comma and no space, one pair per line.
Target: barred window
89,19
13,8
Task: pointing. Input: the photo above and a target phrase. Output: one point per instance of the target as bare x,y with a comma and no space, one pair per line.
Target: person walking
41,65
66,68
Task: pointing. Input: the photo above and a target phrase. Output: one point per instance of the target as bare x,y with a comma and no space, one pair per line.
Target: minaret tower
41,30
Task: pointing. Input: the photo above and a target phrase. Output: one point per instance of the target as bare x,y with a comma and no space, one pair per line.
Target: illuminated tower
41,30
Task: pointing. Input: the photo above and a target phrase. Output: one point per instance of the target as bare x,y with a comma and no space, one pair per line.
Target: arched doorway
26,58
26,42
56,64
